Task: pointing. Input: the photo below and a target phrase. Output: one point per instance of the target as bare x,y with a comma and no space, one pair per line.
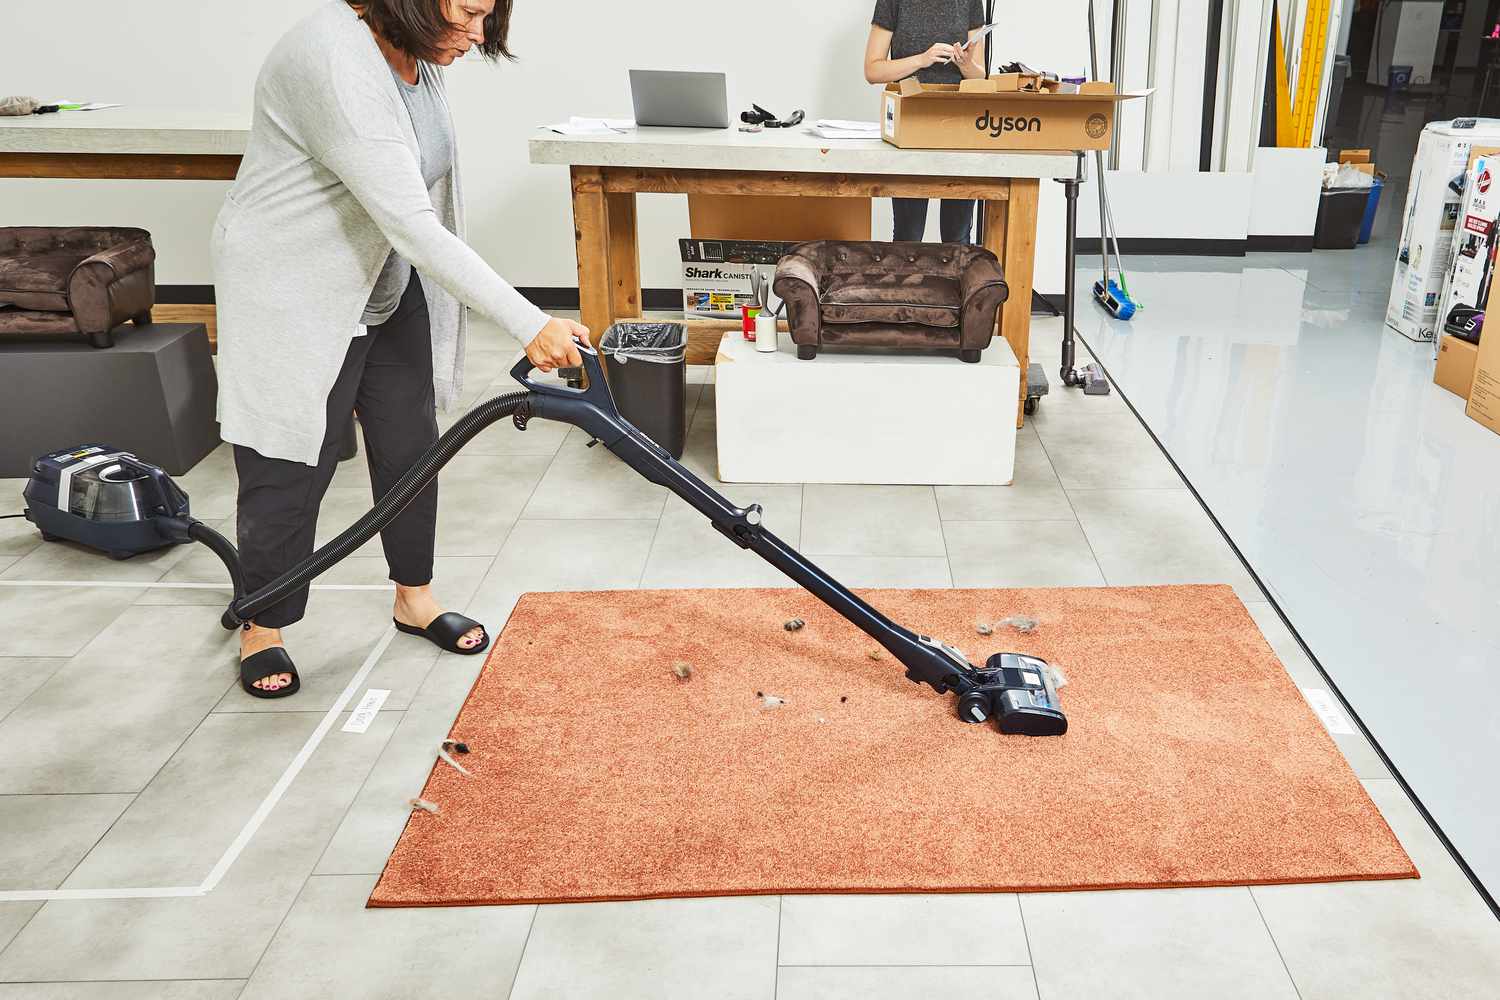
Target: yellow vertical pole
1310,70
1285,133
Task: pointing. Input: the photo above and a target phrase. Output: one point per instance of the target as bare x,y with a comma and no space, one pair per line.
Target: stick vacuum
142,508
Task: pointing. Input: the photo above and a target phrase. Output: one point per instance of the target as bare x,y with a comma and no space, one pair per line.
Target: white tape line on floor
144,584
49,895
295,767
262,811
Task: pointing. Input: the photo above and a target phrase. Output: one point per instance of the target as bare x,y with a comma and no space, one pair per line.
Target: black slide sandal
445,630
268,663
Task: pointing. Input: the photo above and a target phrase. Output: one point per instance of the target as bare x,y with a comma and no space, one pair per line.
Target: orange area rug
1191,758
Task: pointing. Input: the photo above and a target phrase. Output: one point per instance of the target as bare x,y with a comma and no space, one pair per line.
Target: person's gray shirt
331,182
429,118
918,25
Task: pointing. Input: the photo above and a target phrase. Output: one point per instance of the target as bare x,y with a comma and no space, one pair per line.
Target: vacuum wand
1019,690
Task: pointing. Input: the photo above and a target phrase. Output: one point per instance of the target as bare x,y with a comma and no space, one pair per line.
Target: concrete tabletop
796,149
138,130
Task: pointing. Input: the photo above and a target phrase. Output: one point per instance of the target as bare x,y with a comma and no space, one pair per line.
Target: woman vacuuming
342,281
926,39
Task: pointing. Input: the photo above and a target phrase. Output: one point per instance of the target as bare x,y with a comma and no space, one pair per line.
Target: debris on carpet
682,670
443,753
794,624
431,807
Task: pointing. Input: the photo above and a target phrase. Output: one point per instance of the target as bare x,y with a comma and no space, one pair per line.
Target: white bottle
765,332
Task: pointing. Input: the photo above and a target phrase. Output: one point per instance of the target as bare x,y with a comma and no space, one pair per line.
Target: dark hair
417,27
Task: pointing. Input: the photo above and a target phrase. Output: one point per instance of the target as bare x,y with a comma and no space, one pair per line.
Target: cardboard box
1429,217
1455,365
716,274
1354,156
1484,392
1466,287
1004,111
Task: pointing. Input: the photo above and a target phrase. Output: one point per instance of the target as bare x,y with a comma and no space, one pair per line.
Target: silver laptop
672,98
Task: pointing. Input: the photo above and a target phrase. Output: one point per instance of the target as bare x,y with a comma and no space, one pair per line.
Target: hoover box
720,276
1429,218
1467,289
1004,111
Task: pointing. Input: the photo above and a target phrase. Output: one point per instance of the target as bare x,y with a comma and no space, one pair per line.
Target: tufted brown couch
78,280
903,296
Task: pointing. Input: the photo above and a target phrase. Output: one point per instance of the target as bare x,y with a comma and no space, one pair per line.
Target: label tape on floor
1327,708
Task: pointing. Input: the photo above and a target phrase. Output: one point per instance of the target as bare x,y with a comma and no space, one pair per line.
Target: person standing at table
922,38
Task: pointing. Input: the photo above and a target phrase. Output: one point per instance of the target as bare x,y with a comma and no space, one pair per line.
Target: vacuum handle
597,392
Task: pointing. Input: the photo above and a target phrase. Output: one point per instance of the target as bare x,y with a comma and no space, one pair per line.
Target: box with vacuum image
719,276
1004,111
1467,288
1429,218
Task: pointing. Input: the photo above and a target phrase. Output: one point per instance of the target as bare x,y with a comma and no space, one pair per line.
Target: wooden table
132,143
608,172
124,143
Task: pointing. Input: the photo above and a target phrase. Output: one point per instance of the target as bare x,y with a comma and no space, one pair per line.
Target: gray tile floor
128,758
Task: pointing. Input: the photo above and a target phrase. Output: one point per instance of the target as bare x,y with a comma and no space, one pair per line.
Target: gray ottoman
154,394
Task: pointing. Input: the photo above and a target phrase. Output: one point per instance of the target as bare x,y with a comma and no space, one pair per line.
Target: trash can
646,364
1340,212
1371,207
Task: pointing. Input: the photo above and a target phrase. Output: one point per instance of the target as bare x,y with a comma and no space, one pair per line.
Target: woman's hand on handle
554,347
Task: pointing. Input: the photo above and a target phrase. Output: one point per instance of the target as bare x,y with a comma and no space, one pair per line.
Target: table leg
1010,232
591,236
624,256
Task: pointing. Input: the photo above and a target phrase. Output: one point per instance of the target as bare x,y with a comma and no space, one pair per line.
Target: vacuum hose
246,606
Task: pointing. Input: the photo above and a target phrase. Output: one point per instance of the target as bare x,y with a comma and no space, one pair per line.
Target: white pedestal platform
865,416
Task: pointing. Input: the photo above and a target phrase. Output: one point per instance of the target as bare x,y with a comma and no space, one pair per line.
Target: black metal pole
1070,253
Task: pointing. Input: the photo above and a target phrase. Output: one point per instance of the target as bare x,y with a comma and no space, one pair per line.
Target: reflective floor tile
1020,554
910,929
331,947
652,950
1153,943
43,837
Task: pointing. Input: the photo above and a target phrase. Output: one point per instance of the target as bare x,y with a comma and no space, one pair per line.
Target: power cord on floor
4,516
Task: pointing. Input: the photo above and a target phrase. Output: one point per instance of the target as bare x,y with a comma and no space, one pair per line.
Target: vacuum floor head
1020,692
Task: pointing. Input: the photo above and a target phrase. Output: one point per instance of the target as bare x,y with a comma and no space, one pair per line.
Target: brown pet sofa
901,296
84,280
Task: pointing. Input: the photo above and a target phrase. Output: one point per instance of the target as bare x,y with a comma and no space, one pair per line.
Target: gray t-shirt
918,25
435,139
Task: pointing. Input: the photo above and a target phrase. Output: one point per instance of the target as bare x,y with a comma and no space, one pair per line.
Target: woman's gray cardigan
330,182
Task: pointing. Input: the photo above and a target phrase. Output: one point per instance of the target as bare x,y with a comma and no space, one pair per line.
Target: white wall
198,54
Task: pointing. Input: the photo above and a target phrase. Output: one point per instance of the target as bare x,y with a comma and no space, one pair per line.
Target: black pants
387,378
955,219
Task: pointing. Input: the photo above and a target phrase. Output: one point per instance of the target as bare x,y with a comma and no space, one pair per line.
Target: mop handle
1098,154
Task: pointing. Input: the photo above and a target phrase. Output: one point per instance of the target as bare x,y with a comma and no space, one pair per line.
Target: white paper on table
576,125
834,128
